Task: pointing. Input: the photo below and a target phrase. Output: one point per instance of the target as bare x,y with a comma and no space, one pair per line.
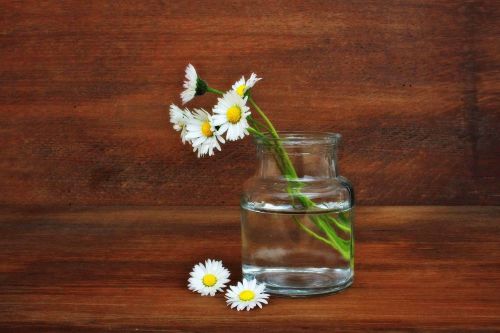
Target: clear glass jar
297,217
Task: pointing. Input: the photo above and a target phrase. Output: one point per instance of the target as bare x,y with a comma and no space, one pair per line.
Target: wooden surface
126,269
413,86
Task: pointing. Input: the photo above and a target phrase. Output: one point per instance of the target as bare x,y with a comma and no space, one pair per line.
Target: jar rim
291,138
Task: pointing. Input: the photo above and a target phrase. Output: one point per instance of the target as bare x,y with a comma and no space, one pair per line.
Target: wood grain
413,86
125,269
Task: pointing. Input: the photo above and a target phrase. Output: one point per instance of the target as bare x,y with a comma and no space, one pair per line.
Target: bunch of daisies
211,277
230,116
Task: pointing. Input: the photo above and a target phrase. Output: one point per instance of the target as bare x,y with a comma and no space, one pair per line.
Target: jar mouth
287,138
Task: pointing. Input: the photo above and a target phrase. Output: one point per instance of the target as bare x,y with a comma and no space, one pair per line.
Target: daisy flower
202,133
241,86
193,85
231,114
246,295
179,118
208,278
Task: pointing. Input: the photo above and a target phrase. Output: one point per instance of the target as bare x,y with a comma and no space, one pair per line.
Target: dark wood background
413,87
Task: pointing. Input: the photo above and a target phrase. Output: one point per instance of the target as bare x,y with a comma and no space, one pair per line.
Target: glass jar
297,217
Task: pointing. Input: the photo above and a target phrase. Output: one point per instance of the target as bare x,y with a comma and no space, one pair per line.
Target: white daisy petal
252,80
204,137
207,279
241,86
179,118
189,84
246,295
223,128
260,288
193,85
230,114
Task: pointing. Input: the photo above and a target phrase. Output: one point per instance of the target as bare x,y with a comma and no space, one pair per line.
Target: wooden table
125,269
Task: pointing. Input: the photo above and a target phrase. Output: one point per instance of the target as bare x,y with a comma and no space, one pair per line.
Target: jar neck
312,156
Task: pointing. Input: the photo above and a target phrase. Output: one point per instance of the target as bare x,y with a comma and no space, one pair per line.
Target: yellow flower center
233,114
206,129
209,280
247,295
241,90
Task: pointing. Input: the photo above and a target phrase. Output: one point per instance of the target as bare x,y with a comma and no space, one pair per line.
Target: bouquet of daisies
231,119
231,116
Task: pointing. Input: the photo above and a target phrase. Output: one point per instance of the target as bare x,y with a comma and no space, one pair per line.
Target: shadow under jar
297,217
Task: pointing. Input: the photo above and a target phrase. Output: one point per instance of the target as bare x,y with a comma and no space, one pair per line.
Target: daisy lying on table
211,277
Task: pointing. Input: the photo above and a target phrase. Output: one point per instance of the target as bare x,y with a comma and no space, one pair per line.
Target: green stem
310,232
263,115
255,132
339,243
257,123
215,91
275,135
342,224
266,140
